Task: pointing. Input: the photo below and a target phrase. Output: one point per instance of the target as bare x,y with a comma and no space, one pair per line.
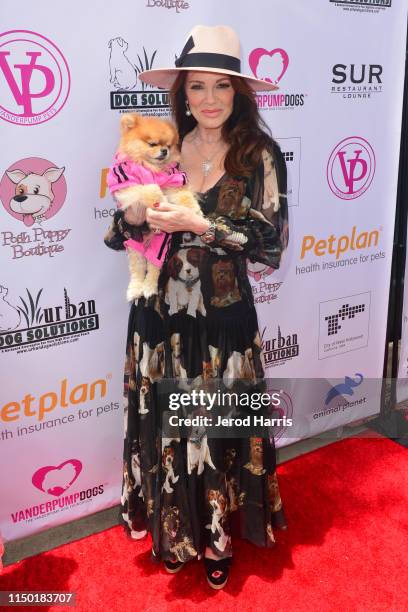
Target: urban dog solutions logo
354,82
271,67
363,6
343,324
336,400
130,94
55,481
27,326
32,191
280,349
351,168
34,77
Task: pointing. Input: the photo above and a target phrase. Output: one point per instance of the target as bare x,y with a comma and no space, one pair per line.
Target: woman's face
210,96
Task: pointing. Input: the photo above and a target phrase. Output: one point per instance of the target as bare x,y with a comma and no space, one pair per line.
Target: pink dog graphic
33,193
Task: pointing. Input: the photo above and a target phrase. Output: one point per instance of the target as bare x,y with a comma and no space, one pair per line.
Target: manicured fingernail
156,204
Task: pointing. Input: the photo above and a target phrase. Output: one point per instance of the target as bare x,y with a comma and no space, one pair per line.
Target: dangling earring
188,111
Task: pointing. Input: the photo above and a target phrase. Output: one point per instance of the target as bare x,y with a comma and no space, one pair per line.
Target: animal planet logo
351,168
30,327
345,388
33,190
55,480
124,78
271,67
35,78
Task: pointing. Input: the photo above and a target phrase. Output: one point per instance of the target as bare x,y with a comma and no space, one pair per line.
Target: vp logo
351,168
34,77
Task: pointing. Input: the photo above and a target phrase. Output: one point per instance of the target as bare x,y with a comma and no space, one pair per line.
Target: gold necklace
207,163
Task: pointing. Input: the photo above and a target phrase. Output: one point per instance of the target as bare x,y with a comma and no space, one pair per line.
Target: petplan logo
34,78
55,480
336,400
351,168
32,191
129,93
356,82
26,326
344,324
271,66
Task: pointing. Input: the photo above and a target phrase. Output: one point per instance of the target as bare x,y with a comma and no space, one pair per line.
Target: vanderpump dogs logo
32,191
271,66
344,324
351,168
55,480
362,6
279,349
129,93
337,397
25,325
34,78
356,81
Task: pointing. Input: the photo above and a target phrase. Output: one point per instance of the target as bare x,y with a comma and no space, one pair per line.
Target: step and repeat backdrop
66,76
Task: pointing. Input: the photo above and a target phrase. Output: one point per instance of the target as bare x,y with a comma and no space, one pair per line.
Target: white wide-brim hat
208,49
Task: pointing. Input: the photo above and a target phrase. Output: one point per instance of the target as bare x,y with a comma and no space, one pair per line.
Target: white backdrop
66,74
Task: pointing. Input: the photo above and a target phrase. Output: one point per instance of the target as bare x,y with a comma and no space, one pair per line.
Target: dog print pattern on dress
199,490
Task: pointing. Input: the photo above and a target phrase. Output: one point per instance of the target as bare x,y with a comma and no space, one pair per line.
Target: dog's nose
188,270
20,198
164,151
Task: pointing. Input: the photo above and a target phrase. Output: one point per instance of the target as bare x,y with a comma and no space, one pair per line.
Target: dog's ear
53,174
128,121
16,175
174,266
110,43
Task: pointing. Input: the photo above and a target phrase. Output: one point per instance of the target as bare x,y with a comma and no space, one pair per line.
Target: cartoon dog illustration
176,350
198,451
122,71
218,503
184,285
144,390
152,362
167,461
33,193
9,316
226,290
239,366
255,465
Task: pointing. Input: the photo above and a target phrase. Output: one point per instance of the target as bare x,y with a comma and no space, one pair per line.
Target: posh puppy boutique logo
351,168
32,191
34,77
128,92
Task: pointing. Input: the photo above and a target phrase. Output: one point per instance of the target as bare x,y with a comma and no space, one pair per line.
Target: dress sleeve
263,234
119,231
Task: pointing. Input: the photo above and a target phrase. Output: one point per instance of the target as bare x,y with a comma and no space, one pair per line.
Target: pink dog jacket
154,247
126,173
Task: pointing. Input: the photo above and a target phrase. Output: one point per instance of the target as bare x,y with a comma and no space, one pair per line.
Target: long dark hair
245,130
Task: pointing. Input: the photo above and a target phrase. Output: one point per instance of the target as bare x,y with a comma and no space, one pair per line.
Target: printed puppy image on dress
184,285
145,172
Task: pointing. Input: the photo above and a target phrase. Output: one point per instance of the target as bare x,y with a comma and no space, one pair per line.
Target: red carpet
346,548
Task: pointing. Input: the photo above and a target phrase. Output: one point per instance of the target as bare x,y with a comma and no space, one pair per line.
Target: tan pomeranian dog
145,171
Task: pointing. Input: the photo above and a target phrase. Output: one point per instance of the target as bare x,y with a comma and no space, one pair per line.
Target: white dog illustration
9,316
239,367
33,193
184,286
218,504
198,451
167,461
122,71
152,362
59,479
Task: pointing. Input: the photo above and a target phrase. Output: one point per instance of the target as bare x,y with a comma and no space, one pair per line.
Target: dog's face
256,449
118,42
217,500
182,265
33,192
176,344
223,276
171,521
168,456
149,140
145,386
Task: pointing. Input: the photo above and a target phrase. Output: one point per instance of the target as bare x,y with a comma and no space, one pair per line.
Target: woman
192,492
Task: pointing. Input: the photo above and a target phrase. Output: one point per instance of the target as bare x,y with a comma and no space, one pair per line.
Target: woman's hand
171,218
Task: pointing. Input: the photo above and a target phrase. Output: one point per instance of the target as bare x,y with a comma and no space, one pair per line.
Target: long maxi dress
190,492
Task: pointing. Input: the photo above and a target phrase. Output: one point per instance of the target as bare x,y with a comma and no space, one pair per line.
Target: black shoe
172,567
217,572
